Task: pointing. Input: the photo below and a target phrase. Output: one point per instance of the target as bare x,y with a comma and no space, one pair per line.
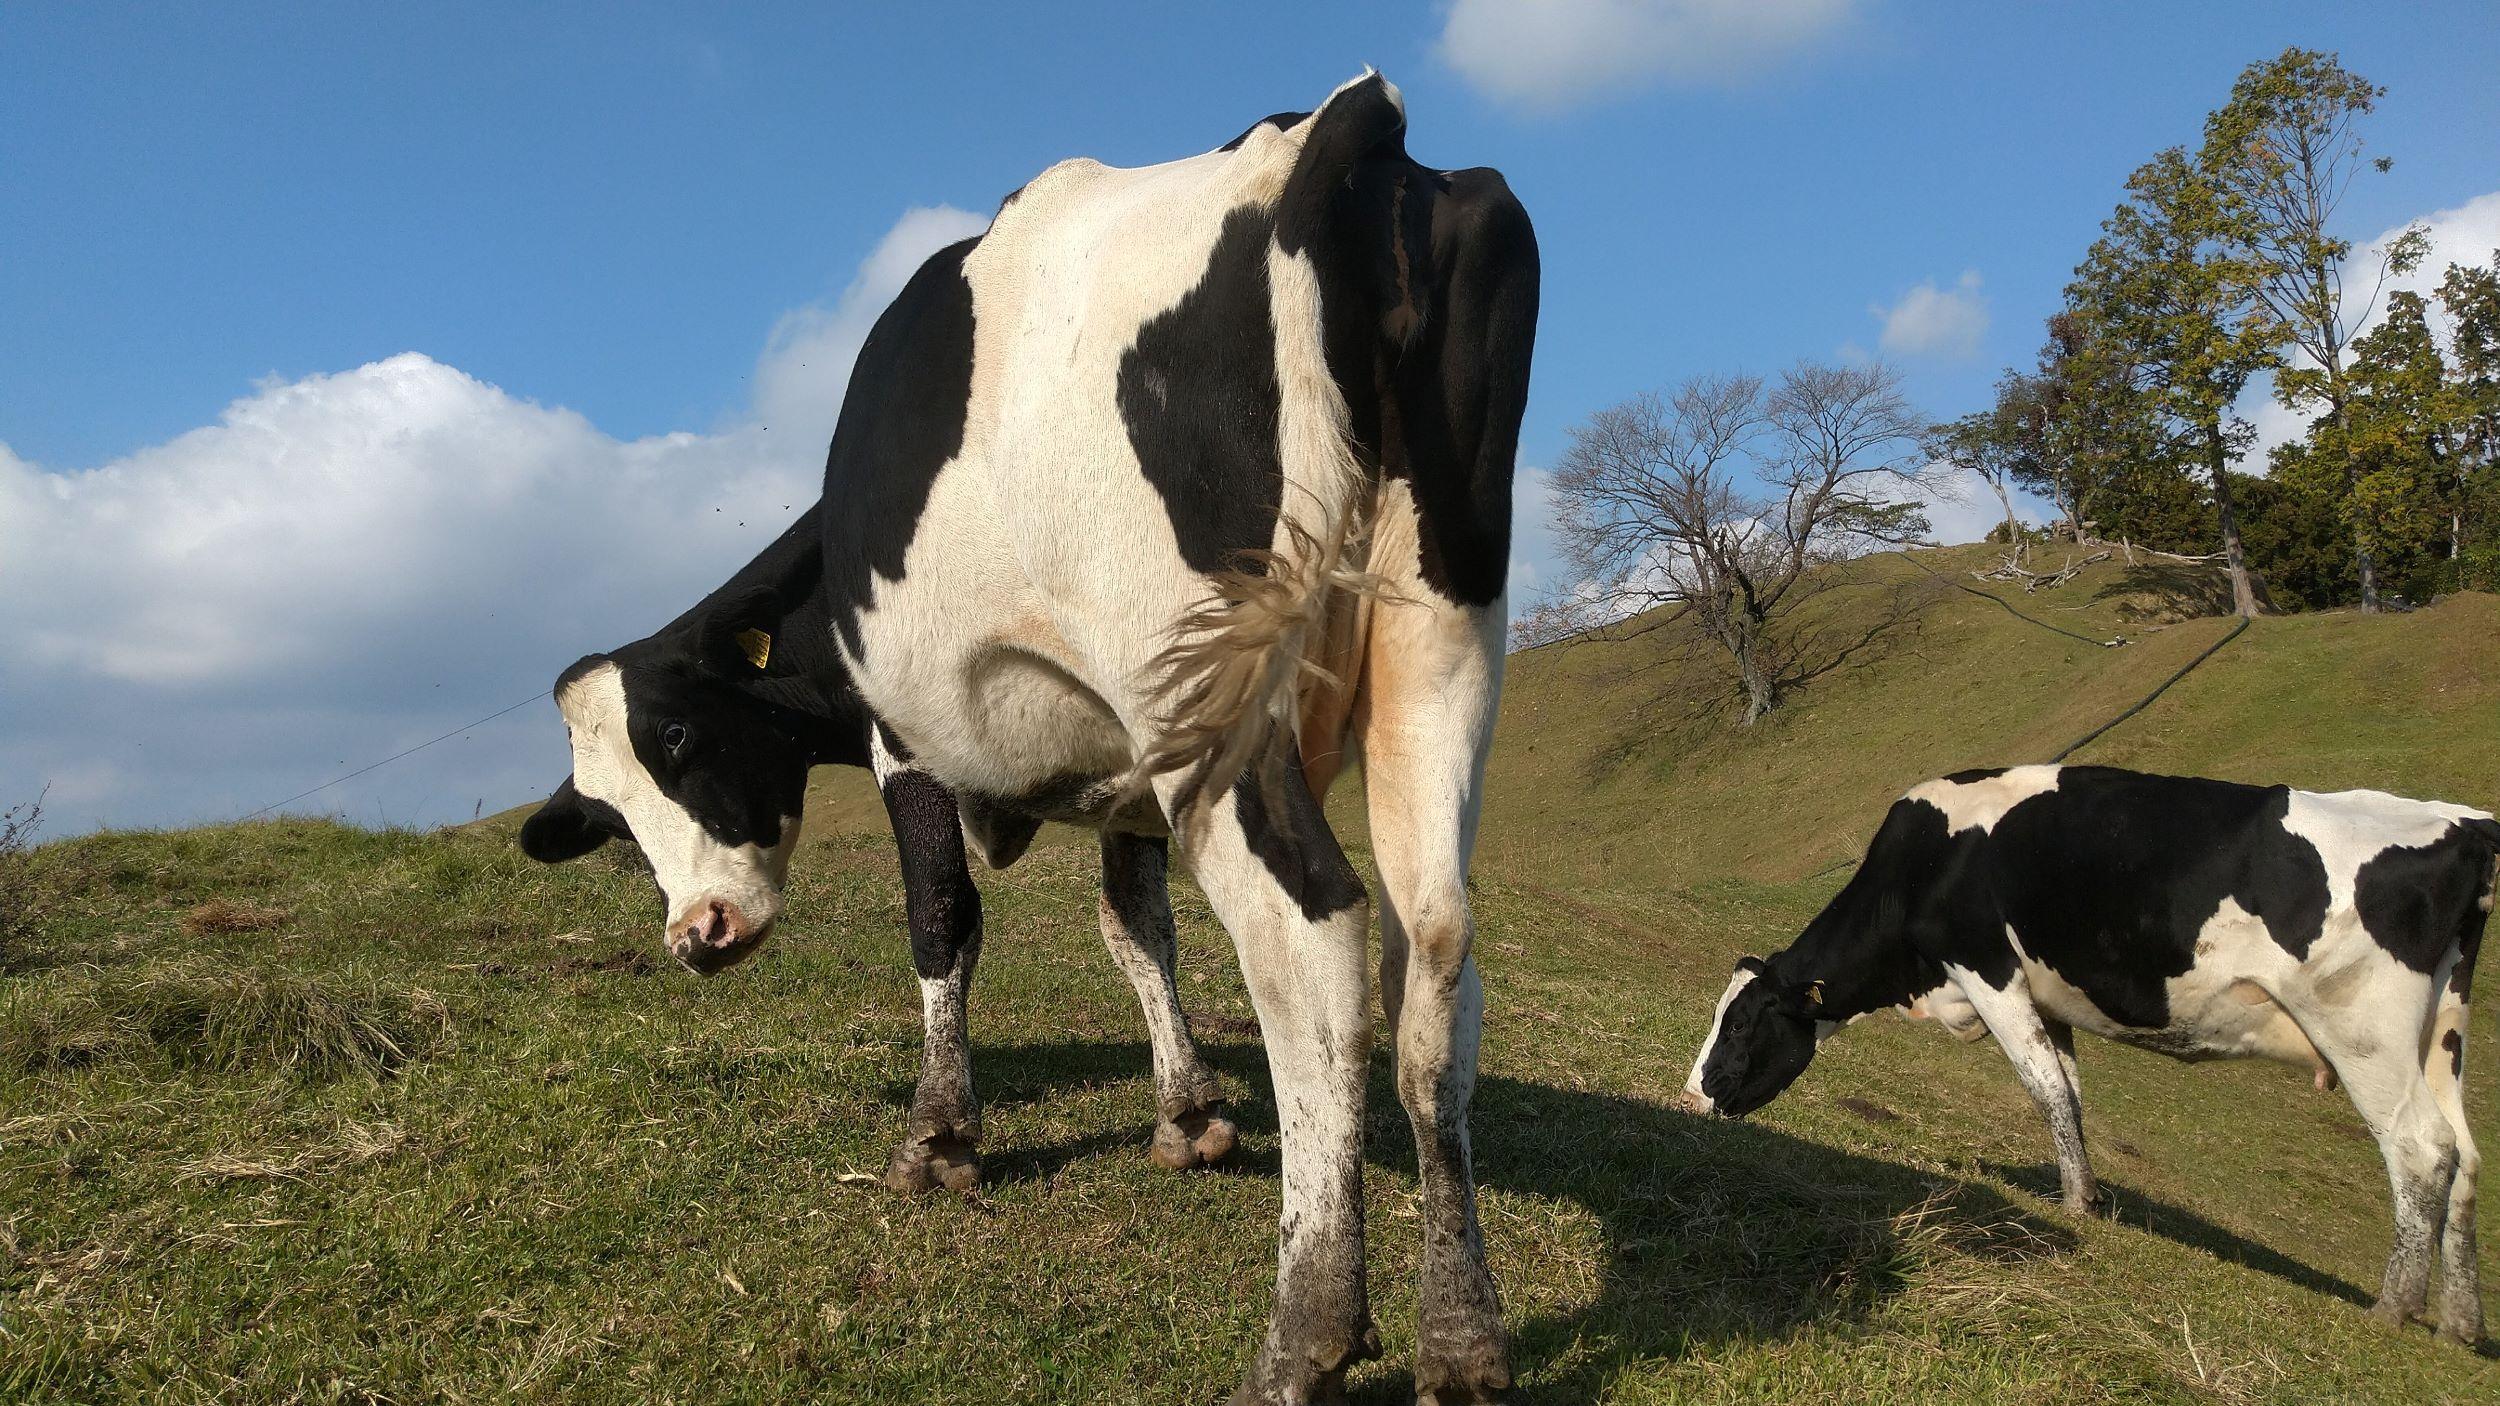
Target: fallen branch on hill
2011,570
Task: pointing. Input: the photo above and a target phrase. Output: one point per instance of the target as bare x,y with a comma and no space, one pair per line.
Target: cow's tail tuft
1233,676
1236,666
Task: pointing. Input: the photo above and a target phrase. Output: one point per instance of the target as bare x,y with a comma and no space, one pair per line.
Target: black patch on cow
1198,395
2418,900
902,420
1976,774
1428,287
2453,1041
1281,121
734,767
2111,878
1296,845
941,905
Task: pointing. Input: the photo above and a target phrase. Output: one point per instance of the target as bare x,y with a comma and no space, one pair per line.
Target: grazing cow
1146,510
2201,919
694,720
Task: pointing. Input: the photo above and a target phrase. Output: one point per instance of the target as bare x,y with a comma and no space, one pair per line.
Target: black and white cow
722,721
2202,919
1148,509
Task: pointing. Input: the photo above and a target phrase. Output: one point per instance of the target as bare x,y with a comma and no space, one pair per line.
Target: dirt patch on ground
1867,1109
623,962
226,915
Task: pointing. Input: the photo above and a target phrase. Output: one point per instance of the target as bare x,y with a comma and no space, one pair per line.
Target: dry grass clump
218,1019
226,915
355,1144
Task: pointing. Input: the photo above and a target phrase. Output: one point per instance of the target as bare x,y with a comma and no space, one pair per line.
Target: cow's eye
673,737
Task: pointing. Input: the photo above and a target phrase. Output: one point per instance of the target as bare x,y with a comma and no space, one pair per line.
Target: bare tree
1721,504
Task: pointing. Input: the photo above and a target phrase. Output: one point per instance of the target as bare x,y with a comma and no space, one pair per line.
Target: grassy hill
292,1111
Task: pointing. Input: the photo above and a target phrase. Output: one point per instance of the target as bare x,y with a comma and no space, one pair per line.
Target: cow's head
1762,1038
670,753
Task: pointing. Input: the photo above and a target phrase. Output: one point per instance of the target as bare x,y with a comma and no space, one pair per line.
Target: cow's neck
1860,950
804,678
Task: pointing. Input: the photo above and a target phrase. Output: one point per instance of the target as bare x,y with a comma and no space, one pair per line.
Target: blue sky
623,243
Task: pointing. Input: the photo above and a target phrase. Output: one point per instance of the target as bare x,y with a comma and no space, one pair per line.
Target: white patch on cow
2351,828
2224,1003
1694,1099
1950,1009
1979,805
693,869
1044,576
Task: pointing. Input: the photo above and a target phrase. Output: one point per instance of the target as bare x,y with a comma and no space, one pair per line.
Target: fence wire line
395,756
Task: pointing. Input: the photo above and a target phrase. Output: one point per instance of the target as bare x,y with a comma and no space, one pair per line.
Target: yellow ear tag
756,646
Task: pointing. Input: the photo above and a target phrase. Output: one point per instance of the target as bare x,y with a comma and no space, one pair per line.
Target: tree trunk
1760,696
2243,595
2013,531
2368,568
1744,641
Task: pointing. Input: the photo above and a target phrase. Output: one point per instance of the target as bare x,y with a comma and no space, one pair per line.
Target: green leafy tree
2004,446
2106,450
2397,444
2172,309
2282,153
2470,298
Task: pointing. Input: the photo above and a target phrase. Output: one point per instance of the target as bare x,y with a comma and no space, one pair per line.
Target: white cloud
806,361
2466,234
1553,53
348,564
1534,565
1962,509
1932,321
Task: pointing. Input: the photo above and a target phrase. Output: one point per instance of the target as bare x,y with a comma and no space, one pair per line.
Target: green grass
293,1111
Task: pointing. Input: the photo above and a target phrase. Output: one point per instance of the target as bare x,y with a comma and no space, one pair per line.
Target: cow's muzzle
714,935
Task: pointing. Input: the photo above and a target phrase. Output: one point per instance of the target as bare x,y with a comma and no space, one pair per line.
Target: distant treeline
2222,263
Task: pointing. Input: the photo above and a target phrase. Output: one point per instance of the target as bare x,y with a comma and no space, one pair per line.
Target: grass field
294,1111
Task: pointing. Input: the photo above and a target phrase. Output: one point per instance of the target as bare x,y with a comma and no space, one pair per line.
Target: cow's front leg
941,1145
2041,1065
1298,915
1193,1127
1426,721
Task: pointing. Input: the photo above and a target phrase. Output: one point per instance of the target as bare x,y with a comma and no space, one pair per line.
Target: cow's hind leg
2043,1059
940,1148
1192,1125
2443,1067
1297,914
2382,1068
1425,724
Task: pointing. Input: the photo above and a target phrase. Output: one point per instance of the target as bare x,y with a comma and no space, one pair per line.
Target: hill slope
294,1110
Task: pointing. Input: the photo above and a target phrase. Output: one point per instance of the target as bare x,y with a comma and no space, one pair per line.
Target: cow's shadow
1713,1230
2128,1206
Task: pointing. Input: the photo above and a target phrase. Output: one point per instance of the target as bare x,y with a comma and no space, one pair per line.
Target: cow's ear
561,829
736,639
1750,963
1802,1001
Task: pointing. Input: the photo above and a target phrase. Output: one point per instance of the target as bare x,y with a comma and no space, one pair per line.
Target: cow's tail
1229,681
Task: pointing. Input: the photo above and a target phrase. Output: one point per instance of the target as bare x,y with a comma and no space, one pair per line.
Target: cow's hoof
2394,1313
1448,1382
1200,1137
941,1160
1298,1379
1308,1388
1454,1368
